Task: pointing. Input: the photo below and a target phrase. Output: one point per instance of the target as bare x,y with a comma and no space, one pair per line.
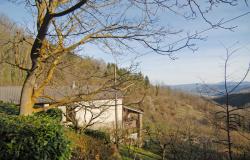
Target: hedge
36,137
9,108
54,113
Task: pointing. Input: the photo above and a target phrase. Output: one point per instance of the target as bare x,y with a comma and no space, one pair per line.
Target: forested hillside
72,67
10,75
236,100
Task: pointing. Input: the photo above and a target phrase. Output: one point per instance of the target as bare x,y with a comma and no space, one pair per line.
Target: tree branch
69,10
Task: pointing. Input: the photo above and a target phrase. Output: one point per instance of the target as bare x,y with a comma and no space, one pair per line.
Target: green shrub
97,134
9,108
54,113
32,137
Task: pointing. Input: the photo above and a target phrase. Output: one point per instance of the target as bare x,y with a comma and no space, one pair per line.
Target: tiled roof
10,94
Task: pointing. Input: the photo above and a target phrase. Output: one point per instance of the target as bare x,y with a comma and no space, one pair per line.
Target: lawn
129,153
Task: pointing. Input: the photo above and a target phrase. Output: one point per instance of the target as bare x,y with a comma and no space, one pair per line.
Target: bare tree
228,114
11,45
161,137
68,25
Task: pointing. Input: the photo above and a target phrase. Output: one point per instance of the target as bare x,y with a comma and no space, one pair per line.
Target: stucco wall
106,118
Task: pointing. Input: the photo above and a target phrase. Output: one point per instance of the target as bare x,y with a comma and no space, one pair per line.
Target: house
96,114
99,112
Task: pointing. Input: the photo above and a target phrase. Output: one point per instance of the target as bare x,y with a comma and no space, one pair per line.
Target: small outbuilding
132,122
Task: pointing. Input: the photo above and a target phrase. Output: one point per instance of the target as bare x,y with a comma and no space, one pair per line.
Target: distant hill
236,100
211,89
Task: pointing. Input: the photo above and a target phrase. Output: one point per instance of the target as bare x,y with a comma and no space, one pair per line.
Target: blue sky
206,64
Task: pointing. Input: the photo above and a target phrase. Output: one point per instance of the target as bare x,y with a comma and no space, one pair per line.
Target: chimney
73,85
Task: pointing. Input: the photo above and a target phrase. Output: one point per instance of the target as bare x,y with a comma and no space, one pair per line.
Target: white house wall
63,109
105,119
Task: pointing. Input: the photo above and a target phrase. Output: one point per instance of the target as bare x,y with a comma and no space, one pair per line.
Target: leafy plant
54,113
32,137
9,108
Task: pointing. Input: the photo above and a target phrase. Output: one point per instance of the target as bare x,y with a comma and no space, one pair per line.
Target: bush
100,135
54,113
86,147
32,137
9,108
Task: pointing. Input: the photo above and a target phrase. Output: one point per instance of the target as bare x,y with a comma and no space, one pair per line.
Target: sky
204,65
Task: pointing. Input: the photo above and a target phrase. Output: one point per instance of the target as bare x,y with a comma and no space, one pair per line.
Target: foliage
54,113
9,108
97,134
32,137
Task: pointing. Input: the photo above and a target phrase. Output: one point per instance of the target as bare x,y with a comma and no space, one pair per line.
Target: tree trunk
163,155
228,129
27,102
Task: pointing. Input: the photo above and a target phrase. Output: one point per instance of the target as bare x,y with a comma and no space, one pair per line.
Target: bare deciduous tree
228,114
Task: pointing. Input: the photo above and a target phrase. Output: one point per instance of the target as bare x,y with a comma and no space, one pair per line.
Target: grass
129,153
